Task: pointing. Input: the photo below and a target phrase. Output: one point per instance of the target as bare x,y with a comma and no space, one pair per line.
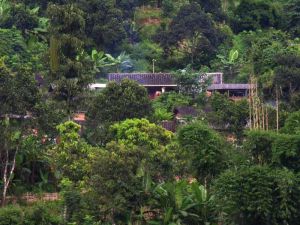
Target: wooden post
277,110
263,117
267,119
153,65
250,104
256,106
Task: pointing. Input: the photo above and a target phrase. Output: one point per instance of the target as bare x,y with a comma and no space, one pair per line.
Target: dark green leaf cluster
205,147
258,195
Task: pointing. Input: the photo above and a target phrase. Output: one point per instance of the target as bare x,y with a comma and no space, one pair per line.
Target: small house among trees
157,83
233,91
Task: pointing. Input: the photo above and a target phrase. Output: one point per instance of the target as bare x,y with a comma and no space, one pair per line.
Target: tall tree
70,156
122,174
71,68
229,114
292,123
292,10
212,6
121,101
287,73
18,96
253,15
251,196
199,42
205,149
104,23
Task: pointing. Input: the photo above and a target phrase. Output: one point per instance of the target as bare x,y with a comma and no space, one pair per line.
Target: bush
43,214
292,124
181,202
286,152
259,145
205,148
171,100
40,213
11,215
257,195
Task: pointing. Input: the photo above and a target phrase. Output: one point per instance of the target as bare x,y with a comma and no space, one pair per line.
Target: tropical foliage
106,156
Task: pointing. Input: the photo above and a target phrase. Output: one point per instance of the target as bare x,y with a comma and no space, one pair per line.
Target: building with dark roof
146,79
234,91
157,83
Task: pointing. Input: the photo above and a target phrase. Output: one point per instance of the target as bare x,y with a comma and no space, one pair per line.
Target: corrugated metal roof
145,79
167,79
157,79
228,87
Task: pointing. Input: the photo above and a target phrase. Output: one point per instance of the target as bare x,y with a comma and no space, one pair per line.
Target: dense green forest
121,166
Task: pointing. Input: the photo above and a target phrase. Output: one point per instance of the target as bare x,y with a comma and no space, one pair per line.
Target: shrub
181,202
171,100
286,151
205,148
259,145
257,195
43,214
11,215
292,124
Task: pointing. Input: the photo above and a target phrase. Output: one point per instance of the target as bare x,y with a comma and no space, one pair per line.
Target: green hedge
11,215
49,213
258,195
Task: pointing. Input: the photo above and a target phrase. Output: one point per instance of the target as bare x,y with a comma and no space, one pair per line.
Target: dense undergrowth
121,166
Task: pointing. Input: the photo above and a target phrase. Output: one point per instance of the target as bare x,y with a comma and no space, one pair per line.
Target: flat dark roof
229,87
145,79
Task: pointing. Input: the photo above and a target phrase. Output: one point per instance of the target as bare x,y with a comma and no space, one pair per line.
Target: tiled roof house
157,83
146,79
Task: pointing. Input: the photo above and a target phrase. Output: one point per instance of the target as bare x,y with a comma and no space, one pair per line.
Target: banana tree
99,59
230,63
119,60
181,203
5,8
103,60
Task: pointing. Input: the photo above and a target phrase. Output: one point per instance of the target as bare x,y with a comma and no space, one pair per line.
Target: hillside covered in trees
120,156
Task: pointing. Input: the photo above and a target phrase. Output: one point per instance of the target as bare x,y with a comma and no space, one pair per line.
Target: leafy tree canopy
201,37
250,195
18,91
253,15
70,157
141,133
292,123
121,101
205,148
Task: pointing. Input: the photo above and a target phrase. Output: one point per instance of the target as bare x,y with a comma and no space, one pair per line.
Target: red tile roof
79,117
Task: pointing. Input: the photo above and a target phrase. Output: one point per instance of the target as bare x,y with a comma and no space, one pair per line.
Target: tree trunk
8,174
159,3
